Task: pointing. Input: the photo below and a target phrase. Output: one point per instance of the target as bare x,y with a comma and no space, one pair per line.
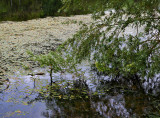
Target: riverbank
38,35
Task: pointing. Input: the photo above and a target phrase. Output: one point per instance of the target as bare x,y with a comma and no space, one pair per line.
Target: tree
114,52
50,7
77,7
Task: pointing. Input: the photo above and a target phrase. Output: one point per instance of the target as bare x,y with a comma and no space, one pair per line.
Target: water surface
92,96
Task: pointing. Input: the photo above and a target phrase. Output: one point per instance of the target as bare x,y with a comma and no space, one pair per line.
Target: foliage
113,51
56,61
51,7
28,9
109,46
74,7
20,10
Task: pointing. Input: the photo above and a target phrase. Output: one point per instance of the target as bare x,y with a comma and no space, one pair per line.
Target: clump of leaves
106,43
57,61
74,7
115,52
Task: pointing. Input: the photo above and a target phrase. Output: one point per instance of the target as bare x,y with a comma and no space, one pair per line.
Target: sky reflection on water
29,96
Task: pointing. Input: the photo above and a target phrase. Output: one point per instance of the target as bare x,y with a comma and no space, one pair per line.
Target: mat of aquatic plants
68,96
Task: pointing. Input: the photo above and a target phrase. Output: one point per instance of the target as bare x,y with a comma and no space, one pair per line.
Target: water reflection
152,85
32,96
4,87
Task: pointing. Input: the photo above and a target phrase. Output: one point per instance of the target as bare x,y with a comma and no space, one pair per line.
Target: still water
86,96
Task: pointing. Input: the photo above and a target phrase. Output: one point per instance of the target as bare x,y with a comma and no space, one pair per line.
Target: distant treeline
28,9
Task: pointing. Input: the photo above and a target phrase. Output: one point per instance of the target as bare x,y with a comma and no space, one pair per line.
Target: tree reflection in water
83,98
